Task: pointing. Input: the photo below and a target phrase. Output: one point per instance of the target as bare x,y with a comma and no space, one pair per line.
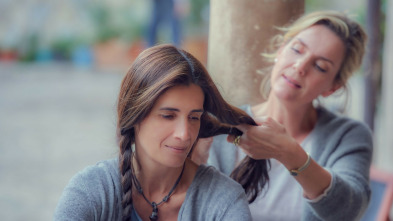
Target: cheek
325,83
150,131
193,132
274,74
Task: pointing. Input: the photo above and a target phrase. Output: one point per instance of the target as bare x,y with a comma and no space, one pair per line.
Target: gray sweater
341,145
95,194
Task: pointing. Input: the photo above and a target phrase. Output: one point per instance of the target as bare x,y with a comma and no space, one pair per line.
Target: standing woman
167,101
320,160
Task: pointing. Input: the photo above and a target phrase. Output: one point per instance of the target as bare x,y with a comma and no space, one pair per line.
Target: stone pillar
240,30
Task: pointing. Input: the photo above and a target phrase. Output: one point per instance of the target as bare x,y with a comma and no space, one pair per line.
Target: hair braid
126,174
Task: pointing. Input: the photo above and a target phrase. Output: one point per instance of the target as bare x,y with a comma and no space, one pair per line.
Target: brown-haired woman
167,101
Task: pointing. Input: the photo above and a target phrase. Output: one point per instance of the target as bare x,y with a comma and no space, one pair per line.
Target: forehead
323,42
182,97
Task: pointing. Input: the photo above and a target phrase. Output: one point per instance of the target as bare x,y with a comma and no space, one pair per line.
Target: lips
177,149
292,81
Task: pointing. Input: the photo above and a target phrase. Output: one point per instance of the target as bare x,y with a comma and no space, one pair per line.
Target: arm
342,157
271,140
349,164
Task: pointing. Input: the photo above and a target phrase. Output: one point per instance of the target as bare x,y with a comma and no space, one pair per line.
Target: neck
155,180
297,119
154,199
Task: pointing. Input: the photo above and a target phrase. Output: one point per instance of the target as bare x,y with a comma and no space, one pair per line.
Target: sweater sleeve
348,161
75,202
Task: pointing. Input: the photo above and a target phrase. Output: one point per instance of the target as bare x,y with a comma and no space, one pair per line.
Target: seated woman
167,101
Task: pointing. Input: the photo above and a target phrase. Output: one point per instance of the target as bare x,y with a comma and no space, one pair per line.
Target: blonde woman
320,160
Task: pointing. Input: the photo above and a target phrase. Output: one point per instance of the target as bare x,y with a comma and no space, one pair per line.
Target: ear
334,88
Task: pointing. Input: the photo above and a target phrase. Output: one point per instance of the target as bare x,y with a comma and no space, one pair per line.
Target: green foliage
197,6
313,5
62,48
101,17
29,48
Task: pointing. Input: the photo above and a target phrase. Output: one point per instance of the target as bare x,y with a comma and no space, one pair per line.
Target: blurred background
61,64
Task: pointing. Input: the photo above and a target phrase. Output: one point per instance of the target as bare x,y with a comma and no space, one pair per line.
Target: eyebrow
323,58
177,110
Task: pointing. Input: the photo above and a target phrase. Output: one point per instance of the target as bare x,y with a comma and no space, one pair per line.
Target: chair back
381,183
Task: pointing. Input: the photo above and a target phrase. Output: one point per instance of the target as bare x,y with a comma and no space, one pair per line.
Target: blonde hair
349,31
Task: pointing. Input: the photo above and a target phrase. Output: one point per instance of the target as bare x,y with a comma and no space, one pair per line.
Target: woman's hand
267,140
200,154
270,140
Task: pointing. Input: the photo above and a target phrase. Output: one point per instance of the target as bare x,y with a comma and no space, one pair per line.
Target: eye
194,118
297,48
167,116
320,69
321,66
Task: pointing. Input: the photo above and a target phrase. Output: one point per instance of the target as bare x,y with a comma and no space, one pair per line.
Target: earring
275,60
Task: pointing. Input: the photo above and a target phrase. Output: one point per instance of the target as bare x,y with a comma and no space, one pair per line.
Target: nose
182,129
301,65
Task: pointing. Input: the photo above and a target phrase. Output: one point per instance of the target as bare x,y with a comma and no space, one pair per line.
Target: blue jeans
163,12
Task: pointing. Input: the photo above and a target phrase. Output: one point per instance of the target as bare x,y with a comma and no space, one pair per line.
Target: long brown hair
153,72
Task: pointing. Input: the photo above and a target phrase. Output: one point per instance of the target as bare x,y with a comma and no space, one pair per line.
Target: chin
175,162
283,95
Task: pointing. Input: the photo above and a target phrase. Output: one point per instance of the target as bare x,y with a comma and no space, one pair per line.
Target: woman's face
167,134
307,65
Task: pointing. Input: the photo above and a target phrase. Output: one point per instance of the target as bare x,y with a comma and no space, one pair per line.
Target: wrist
294,157
297,171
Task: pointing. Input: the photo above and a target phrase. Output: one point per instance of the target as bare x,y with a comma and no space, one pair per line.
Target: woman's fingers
204,144
200,154
264,141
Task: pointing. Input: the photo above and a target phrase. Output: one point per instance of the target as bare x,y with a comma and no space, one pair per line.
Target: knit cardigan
342,146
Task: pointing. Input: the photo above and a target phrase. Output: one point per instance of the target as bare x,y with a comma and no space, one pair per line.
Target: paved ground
54,121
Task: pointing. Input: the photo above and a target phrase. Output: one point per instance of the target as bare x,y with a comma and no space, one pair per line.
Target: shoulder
93,192
336,136
101,172
214,182
337,124
329,118
214,196
96,181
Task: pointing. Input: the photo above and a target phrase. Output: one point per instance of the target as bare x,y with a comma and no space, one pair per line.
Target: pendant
153,216
154,213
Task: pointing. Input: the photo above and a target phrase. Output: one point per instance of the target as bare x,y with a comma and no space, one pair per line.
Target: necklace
154,205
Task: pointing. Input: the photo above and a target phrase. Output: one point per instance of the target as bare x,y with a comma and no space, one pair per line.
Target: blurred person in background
320,161
169,13
167,102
